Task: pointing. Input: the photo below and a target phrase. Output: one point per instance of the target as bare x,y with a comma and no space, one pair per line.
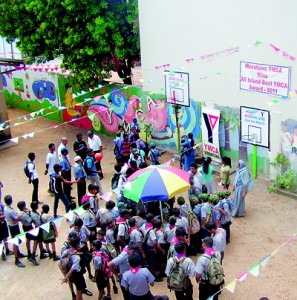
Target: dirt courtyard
269,222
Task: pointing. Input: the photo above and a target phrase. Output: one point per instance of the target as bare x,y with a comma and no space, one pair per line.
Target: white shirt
51,159
32,169
61,146
95,143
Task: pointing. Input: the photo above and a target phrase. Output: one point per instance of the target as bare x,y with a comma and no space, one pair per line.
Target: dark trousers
206,290
67,187
195,243
126,294
35,183
186,294
64,199
81,190
226,226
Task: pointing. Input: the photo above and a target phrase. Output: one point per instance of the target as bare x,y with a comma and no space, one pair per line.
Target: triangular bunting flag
231,286
265,260
31,134
45,226
1,248
69,215
91,117
168,162
58,222
15,140
255,270
210,298
25,136
106,96
106,196
80,210
32,114
17,124
14,241
21,236
242,277
34,231
61,107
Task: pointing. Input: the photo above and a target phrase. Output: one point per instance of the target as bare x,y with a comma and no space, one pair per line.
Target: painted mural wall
103,109
31,90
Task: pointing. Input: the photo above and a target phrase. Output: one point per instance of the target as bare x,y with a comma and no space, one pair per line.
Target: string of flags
253,270
206,58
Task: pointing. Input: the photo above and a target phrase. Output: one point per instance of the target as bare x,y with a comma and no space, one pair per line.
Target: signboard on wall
267,79
177,88
254,126
210,132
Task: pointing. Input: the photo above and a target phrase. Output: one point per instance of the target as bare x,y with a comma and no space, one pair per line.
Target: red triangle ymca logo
213,121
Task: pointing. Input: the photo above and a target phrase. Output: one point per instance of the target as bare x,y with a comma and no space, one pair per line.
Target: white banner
267,79
210,133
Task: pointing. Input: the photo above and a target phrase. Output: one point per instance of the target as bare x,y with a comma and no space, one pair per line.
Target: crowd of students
125,243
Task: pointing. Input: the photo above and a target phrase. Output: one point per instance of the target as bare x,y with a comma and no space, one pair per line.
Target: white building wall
172,31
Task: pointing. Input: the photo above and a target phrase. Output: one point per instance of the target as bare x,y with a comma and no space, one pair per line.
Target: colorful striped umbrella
153,183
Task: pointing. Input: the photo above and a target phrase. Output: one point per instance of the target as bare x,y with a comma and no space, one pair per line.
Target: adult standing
62,145
240,188
80,175
80,146
207,179
33,176
187,152
66,173
225,172
95,143
51,160
91,170
195,180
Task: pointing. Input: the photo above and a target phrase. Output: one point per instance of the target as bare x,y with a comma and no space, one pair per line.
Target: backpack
52,183
26,168
65,263
177,279
144,148
209,217
116,151
115,181
85,165
110,251
215,271
194,224
104,267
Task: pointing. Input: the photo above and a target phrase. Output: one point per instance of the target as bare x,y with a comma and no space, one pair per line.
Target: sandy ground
269,222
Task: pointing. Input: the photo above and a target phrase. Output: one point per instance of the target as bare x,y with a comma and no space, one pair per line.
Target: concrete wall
174,31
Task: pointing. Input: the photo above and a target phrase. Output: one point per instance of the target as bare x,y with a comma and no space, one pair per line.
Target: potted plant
285,176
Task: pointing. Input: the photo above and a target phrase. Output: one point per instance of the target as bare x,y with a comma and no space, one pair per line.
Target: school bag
210,216
115,181
85,165
177,279
52,183
26,168
104,266
194,224
116,151
110,251
215,271
65,263
145,148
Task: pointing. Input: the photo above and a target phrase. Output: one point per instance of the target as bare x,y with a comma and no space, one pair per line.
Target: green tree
92,37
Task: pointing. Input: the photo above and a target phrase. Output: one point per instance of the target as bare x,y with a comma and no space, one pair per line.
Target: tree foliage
92,37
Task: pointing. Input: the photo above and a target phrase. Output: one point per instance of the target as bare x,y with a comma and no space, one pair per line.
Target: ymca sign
210,133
